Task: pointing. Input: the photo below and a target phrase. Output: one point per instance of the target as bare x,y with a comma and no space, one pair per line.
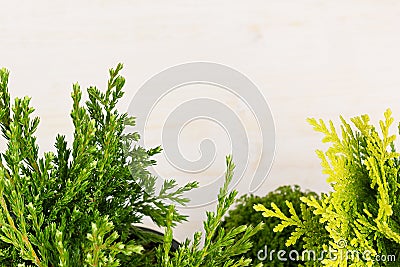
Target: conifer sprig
218,251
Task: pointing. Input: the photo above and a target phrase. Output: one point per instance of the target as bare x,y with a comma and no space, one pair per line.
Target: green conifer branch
219,246
50,204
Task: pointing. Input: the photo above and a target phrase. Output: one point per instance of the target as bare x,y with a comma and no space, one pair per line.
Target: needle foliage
76,206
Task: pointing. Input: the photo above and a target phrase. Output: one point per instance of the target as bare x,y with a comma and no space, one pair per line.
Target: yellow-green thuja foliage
362,213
